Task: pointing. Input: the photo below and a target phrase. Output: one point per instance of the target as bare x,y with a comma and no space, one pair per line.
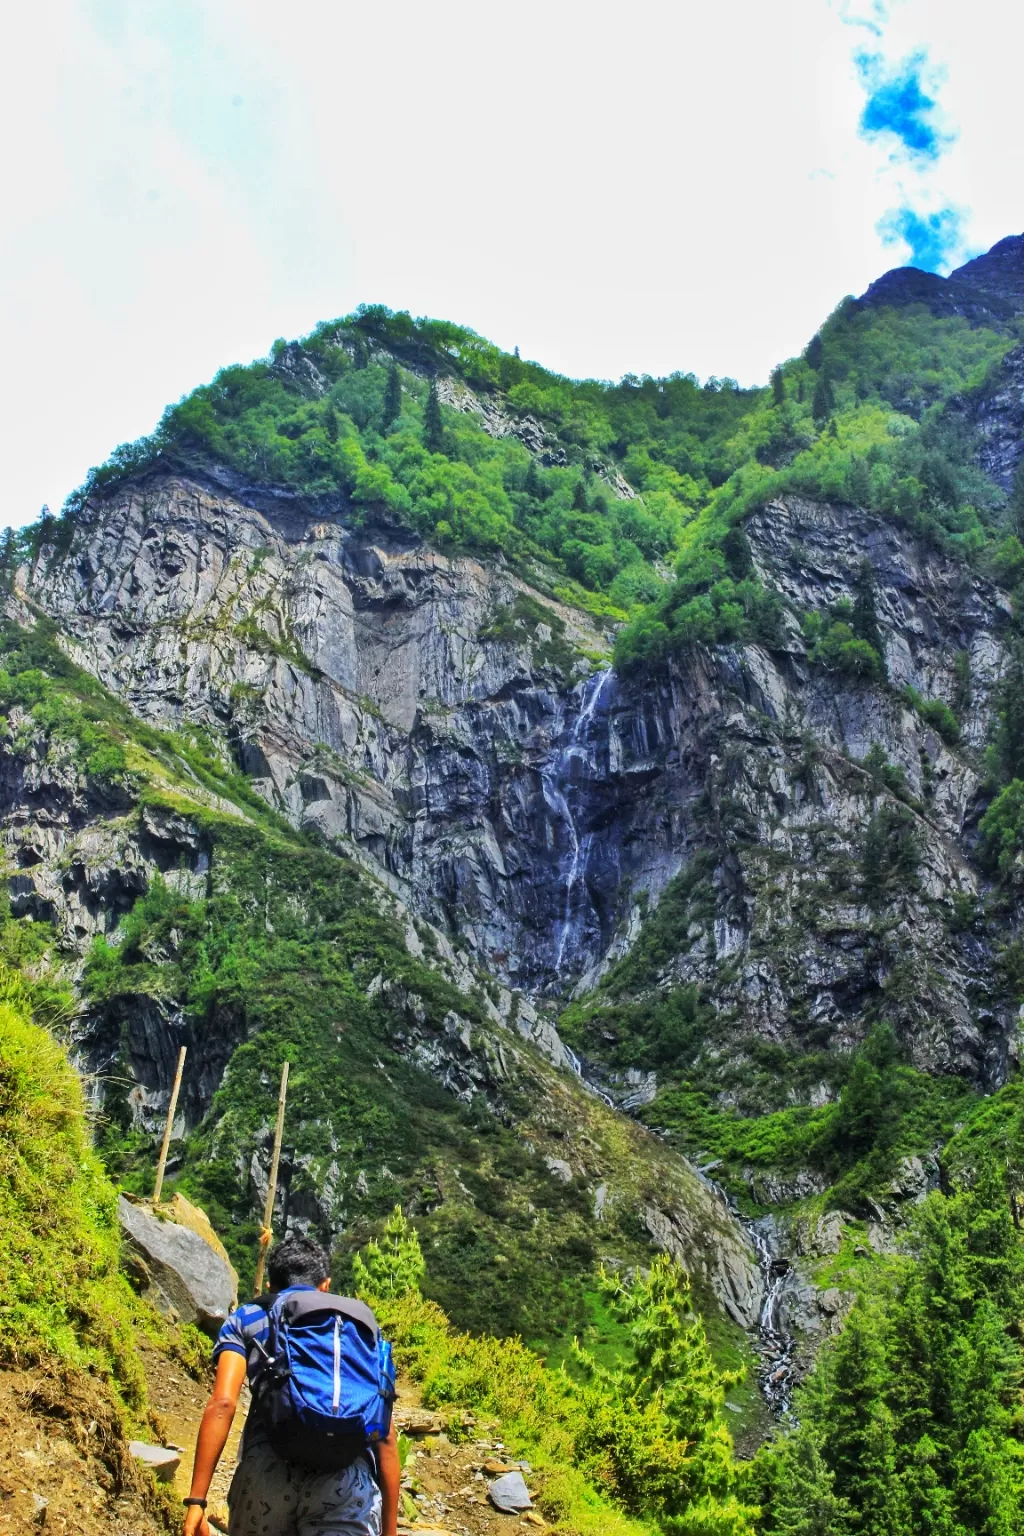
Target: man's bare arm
390,1480
218,1416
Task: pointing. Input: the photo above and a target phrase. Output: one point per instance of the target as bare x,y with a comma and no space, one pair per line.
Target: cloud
874,22
932,237
898,104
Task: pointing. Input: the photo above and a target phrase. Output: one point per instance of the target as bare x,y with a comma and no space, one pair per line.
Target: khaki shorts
271,1497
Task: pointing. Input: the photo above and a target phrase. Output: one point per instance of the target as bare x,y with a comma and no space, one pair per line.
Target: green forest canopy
352,417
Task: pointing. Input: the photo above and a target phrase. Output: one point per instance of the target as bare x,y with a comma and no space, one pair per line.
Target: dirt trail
444,1485
176,1401
64,1466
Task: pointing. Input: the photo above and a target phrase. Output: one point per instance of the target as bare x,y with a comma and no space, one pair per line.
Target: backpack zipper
337,1363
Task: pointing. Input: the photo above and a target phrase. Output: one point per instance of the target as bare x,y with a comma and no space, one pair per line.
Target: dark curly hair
297,1261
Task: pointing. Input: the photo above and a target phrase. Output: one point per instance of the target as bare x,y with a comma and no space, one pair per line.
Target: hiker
319,1453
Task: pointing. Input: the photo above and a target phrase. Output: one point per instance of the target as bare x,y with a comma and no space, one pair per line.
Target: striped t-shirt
248,1324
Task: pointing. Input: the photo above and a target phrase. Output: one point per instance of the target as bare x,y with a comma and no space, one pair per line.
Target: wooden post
268,1209
172,1106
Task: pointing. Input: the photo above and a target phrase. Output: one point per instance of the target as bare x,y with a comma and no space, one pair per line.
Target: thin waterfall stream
776,1369
777,1343
561,794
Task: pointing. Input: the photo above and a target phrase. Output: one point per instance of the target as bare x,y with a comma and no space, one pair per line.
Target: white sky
614,188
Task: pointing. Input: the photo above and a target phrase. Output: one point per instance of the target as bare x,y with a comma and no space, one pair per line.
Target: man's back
322,1385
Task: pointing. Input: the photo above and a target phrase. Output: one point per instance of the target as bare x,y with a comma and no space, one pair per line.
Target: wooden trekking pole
268,1209
172,1106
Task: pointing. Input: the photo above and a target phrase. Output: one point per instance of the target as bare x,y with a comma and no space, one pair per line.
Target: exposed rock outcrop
178,1261
465,738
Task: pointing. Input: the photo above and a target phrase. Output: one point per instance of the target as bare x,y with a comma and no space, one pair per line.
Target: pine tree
823,403
533,485
778,383
392,1267
864,622
331,424
433,426
858,482
670,1394
8,557
1006,754
392,407
805,1502
579,497
857,1434
814,353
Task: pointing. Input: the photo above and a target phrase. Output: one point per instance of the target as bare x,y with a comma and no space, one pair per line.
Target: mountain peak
988,290
1000,271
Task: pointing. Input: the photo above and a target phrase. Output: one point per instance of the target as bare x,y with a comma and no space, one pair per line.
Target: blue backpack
326,1381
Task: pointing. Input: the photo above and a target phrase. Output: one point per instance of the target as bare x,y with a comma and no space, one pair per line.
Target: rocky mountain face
83,847
468,740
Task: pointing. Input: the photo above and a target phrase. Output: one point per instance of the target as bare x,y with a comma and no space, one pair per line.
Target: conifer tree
433,427
533,484
1006,755
778,383
814,352
858,486
8,556
392,407
823,403
668,1393
864,622
579,497
857,1435
392,1267
805,1502
331,424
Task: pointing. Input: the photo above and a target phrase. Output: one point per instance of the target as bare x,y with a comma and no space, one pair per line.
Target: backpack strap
302,1304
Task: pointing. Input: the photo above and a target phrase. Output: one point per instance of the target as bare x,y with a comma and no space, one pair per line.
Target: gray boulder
182,1271
510,1493
162,1460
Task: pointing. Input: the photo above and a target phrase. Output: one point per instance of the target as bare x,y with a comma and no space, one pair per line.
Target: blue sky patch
898,104
933,237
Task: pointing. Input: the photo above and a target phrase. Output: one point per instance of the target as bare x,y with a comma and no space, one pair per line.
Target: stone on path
160,1459
510,1493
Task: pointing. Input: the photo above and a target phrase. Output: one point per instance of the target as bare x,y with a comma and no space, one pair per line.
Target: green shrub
63,1295
647,1437
937,714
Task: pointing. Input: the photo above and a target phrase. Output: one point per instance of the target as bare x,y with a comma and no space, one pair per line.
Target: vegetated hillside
71,1383
698,704
75,1340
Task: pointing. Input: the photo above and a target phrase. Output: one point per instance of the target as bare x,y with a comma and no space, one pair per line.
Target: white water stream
558,783
776,1369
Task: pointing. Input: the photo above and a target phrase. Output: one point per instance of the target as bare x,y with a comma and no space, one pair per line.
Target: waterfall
562,798
577,1066
776,1370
